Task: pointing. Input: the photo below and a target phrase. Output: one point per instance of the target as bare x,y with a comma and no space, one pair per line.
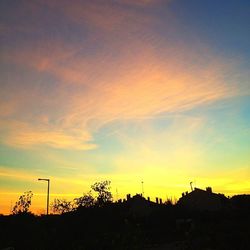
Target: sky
127,91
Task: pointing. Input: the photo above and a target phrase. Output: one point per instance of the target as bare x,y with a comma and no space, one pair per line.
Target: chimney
128,197
183,194
157,200
160,200
209,189
148,198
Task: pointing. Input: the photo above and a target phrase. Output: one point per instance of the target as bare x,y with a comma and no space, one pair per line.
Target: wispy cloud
131,73
26,136
135,90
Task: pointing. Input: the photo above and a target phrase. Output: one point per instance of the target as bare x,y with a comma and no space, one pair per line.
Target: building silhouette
202,200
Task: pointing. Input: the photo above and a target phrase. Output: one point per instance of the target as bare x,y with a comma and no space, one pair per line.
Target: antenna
191,185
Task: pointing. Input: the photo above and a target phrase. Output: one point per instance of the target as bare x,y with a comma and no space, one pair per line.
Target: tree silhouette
103,190
23,204
61,206
87,200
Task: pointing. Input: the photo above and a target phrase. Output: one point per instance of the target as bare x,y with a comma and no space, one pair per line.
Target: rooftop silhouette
201,219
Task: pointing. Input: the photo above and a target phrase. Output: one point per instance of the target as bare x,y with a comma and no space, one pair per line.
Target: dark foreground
117,227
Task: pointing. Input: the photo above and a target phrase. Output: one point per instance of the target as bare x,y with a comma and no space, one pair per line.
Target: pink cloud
131,76
137,84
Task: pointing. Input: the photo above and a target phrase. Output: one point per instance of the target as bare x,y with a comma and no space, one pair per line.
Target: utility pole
48,180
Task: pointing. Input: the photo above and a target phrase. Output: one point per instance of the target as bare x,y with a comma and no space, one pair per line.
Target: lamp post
48,180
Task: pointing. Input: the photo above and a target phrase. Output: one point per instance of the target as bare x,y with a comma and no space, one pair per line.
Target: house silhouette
139,206
202,200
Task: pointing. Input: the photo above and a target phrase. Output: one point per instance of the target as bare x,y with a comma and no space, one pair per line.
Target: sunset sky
123,90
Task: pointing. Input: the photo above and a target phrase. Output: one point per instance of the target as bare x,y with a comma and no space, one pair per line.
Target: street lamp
40,179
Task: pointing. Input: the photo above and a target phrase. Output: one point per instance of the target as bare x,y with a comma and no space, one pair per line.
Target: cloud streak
132,73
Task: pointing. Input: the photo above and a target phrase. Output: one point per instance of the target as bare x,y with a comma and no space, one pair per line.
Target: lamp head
42,179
